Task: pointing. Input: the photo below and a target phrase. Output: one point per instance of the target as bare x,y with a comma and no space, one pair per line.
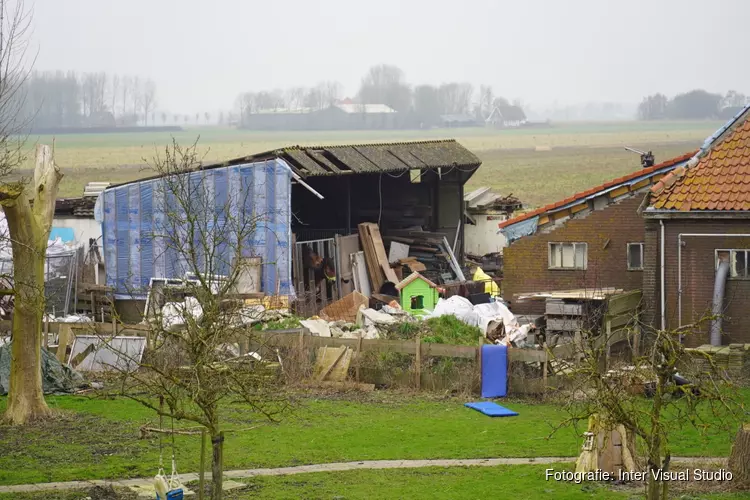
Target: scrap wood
375,256
333,362
344,309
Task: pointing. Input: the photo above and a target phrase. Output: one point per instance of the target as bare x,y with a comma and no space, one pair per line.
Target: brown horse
323,269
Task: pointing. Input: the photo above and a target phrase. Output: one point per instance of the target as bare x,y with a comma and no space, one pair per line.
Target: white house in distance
506,116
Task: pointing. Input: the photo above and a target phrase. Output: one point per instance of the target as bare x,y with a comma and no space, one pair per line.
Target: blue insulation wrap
145,231
494,371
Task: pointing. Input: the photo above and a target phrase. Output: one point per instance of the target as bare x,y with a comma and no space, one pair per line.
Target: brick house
594,239
699,215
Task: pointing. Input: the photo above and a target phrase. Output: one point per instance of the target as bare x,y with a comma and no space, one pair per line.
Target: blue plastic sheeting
491,409
494,371
66,234
144,238
523,228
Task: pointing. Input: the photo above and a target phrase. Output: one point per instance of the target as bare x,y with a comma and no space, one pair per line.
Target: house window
635,256
568,255
417,302
739,260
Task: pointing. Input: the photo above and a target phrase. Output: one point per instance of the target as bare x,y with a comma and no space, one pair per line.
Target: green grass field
95,438
581,155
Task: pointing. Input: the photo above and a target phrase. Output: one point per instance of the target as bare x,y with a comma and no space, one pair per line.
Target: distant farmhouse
340,116
506,116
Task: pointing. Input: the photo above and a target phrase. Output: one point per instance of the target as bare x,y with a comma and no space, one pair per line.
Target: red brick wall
698,275
525,261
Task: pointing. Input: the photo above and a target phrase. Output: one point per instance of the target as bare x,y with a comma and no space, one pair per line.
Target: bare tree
187,367
702,398
163,118
136,90
29,227
148,98
486,98
114,87
207,116
126,94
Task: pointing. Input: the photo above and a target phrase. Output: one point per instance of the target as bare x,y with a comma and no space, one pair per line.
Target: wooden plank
558,307
418,363
373,269
527,355
380,254
624,302
64,337
336,359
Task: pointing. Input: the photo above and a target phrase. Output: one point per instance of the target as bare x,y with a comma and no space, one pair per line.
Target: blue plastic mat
494,371
491,409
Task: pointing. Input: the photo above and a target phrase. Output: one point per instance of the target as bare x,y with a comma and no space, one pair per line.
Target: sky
202,54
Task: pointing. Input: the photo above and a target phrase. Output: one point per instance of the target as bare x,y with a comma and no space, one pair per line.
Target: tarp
56,378
524,228
480,315
137,228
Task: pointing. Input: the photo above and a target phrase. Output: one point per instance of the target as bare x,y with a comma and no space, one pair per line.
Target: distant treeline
102,130
693,105
67,100
383,84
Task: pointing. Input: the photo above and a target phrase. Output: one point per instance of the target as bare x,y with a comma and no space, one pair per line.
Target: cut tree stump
739,458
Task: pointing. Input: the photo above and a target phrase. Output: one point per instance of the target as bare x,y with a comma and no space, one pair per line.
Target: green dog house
418,294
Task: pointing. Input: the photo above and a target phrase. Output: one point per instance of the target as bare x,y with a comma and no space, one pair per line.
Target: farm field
539,165
99,439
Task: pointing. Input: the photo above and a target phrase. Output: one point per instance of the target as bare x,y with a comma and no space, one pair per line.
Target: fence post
418,363
544,371
359,356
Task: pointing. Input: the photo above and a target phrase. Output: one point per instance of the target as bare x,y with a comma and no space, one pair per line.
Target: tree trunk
217,466
739,459
29,229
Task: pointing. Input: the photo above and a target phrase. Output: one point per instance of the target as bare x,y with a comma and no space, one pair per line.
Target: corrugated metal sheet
142,241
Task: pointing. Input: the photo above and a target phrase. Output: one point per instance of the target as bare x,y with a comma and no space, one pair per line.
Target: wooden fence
619,324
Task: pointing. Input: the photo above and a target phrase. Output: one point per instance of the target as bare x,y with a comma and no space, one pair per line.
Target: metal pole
202,477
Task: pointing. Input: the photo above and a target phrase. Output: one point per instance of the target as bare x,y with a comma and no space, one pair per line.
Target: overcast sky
203,53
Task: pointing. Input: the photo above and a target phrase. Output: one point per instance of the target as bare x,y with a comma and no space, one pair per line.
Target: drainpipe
718,301
663,287
679,262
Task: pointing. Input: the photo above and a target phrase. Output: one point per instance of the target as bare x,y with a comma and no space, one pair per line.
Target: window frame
627,255
575,244
732,268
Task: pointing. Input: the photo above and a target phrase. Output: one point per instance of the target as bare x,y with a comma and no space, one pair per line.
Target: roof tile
719,181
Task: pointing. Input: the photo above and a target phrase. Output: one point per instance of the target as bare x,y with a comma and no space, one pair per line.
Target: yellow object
490,286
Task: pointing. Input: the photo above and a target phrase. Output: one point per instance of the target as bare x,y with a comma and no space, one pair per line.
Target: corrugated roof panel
382,157
300,159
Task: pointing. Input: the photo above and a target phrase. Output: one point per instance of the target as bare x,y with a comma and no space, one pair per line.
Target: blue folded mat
494,371
491,409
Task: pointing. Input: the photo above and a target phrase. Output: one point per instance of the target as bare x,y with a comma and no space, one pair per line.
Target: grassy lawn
518,482
99,439
582,154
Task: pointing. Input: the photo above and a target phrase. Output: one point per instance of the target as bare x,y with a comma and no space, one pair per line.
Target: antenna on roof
647,159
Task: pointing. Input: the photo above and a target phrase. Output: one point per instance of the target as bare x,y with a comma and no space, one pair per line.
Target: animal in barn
323,269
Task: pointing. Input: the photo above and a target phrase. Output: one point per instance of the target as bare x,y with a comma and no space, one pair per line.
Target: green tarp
56,377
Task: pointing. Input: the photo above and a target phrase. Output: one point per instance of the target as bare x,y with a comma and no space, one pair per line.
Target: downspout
663,287
722,271
679,262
